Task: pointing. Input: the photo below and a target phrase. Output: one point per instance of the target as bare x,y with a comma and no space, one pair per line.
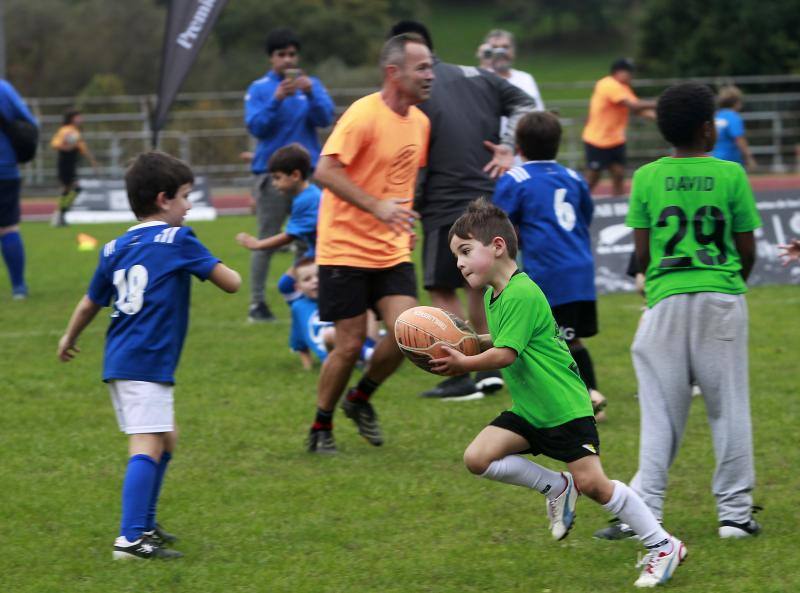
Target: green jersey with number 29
692,207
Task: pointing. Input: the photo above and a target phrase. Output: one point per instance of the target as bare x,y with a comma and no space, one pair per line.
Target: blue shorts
9,201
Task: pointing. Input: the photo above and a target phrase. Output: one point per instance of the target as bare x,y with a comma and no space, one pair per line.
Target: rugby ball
421,331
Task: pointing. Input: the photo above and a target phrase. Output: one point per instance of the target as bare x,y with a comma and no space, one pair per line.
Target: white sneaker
728,529
659,565
561,510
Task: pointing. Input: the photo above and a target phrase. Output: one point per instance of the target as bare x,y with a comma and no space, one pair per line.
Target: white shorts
142,406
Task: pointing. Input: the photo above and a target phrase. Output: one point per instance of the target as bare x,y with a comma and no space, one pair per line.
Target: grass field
256,513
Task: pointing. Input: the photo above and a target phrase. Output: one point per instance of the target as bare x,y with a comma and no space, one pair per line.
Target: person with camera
497,53
12,108
280,108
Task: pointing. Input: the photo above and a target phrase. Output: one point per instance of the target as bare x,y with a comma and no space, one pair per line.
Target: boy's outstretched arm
225,278
456,363
82,316
250,242
746,246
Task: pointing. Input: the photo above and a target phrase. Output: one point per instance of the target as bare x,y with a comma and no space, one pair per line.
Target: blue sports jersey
729,127
302,222
307,328
146,276
552,208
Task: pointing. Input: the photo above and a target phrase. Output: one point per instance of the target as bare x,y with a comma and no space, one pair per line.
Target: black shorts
577,319
438,262
346,291
9,201
566,442
598,159
68,166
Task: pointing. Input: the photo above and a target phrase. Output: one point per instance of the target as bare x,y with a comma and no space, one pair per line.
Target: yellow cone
86,242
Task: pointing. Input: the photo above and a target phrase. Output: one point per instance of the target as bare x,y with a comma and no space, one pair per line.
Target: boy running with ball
145,275
551,412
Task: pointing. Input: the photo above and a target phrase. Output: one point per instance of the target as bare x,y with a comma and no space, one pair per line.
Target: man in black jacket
466,155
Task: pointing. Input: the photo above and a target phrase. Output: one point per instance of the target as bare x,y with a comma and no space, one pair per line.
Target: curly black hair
281,39
682,110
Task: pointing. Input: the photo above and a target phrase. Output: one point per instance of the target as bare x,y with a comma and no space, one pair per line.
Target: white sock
630,508
519,471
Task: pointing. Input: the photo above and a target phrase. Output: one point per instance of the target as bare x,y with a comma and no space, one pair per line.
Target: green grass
256,513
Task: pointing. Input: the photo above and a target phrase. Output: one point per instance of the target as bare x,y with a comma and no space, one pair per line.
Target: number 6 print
130,289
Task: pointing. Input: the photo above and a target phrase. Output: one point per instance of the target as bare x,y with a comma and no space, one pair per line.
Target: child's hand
67,349
790,251
454,363
246,240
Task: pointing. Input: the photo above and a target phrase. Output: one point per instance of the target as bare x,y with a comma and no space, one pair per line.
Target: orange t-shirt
608,115
381,152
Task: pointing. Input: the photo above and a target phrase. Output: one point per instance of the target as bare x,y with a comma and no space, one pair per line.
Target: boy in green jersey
551,412
693,218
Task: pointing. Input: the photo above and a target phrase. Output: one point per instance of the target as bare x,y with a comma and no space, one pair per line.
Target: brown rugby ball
421,331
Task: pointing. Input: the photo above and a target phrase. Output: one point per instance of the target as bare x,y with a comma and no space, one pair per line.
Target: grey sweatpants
699,337
272,209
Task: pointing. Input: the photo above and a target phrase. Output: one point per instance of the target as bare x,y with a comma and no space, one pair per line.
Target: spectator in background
282,107
464,109
69,144
503,52
12,108
612,101
731,144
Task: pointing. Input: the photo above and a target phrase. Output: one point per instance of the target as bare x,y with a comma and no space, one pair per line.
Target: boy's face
281,59
308,281
287,183
476,261
175,210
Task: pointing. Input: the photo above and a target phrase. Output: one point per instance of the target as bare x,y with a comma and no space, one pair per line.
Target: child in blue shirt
300,289
290,168
731,144
551,208
145,275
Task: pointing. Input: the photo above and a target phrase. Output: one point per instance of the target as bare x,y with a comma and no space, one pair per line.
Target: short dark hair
149,174
622,64
406,26
281,39
538,135
682,110
70,115
394,50
483,221
290,158
304,261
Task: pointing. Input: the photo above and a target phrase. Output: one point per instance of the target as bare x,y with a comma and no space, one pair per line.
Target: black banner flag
189,23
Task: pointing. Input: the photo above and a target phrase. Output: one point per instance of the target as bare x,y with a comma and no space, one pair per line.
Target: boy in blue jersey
300,289
551,208
145,275
290,168
731,144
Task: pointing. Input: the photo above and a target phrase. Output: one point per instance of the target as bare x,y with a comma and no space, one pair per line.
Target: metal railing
207,129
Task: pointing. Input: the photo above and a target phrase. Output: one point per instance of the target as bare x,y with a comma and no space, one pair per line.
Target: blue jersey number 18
130,285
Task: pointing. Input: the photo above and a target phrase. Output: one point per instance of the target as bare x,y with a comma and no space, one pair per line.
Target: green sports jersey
546,389
692,207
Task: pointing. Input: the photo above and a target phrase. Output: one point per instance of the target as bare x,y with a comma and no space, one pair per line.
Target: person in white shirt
503,51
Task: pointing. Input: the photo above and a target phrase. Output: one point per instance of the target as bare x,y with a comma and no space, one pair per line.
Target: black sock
585,366
323,420
367,387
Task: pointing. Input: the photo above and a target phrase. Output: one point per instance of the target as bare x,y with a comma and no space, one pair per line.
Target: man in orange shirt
365,234
604,135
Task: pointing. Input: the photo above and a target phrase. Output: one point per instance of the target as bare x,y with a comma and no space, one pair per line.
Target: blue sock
14,256
162,469
137,490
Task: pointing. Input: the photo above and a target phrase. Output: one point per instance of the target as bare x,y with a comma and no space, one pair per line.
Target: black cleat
363,414
260,313
144,548
616,531
160,536
455,389
321,441
489,381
